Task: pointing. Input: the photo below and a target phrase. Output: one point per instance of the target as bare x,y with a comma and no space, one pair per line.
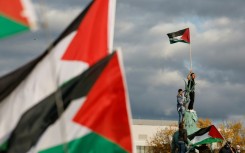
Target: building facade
143,130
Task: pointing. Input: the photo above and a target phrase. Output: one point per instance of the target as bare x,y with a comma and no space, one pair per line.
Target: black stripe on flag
10,81
200,132
176,34
37,119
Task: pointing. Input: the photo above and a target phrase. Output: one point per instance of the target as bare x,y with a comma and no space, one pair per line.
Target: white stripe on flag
29,13
67,128
41,82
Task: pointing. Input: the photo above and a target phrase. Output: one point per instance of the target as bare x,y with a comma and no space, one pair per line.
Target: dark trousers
181,147
192,98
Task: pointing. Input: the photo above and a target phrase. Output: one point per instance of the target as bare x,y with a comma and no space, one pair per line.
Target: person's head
227,144
237,147
180,91
193,75
181,126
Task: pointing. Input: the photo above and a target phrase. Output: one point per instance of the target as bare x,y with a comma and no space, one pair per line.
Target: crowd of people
228,148
180,142
186,96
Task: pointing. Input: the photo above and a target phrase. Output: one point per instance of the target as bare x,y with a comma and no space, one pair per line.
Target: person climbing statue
182,139
180,105
191,85
174,143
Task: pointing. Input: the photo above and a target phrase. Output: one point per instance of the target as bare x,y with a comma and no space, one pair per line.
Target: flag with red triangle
179,36
77,72
206,135
16,16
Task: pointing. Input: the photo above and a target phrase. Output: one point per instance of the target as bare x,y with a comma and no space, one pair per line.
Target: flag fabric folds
16,16
179,36
92,93
206,135
88,121
207,141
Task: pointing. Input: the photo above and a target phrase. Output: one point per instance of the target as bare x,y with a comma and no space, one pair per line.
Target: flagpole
190,51
226,142
190,58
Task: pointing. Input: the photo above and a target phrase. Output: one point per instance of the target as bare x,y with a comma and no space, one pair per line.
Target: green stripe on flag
9,27
174,40
3,146
89,143
208,141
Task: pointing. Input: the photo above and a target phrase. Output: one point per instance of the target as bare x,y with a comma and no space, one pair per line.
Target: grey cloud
220,63
183,9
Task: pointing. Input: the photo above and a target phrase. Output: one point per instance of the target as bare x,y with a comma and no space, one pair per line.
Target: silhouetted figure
227,148
203,149
182,139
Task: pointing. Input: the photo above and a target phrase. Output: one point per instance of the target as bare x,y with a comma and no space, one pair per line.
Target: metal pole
190,58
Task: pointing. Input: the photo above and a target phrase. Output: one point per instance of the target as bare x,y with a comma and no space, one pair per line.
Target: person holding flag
227,148
184,37
191,85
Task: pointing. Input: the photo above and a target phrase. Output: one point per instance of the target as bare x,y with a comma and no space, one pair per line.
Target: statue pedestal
190,122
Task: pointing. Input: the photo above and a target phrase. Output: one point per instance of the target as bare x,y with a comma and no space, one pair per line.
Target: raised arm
189,75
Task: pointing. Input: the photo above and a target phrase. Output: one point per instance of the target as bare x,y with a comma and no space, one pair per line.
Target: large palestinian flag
16,16
95,116
179,36
81,45
206,135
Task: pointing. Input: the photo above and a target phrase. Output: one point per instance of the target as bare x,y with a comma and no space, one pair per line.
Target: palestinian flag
16,16
81,45
95,116
206,135
179,36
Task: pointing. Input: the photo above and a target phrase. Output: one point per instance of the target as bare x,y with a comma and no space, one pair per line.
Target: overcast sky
156,69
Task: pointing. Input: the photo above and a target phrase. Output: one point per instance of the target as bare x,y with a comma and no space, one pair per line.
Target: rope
58,96
60,110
